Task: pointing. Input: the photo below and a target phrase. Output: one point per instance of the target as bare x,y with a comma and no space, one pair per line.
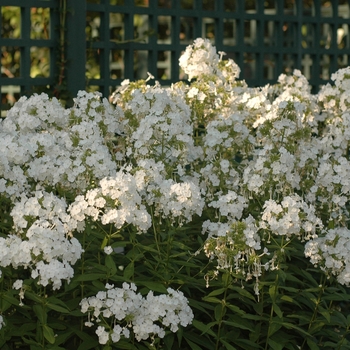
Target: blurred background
60,46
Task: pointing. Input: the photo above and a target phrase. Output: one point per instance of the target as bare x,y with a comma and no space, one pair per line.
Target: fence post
76,46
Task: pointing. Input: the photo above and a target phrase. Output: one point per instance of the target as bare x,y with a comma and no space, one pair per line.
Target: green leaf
104,242
227,345
86,345
337,297
40,313
237,310
89,342
89,277
254,336
316,326
193,345
339,319
57,308
290,289
155,286
274,326
287,298
247,344
325,314
277,310
302,318
193,340
33,344
202,306
34,297
109,262
212,300
150,249
169,340
330,344
6,304
129,271
292,326
189,264
243,292
217,292
204,328
49,334
273,291
241,325
218,312
27,327
98,284
62,337
312,345
274,345
309,277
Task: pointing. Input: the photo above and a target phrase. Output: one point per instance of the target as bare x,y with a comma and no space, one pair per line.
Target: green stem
318,301
168,251
82,272
273,297
223,307
344,338
155,232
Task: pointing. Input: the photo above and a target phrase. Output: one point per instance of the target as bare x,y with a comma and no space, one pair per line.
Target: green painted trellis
96,44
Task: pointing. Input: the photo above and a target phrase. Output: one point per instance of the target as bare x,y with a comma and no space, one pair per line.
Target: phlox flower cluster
144,317
157,125
214,88
225,139
125,199
199,59
291,217
47,144
331,253
44,243
287,153
335,98
237,247
178,200
117,201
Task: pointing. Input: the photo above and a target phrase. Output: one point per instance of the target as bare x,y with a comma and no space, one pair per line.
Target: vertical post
129,37
298,42
152,40
76,46
240,36
175,40
279,28
25,50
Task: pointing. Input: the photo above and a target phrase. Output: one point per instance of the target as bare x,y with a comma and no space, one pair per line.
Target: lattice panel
108,41
28,41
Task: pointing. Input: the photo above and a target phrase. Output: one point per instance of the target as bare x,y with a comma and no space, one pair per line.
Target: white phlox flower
230,205
178,201
199,59
116,201
291,217
2,322
331,253
45,244
145,317
47,144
